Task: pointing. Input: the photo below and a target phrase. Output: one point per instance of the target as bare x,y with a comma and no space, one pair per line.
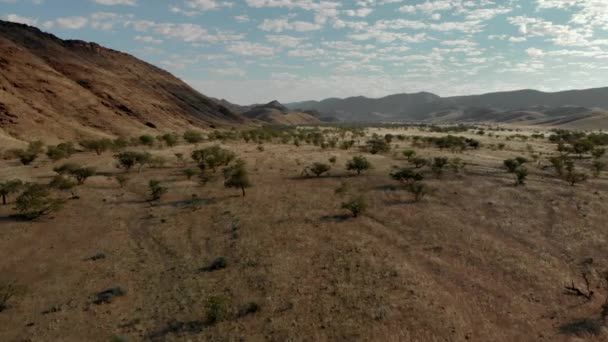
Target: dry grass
479,259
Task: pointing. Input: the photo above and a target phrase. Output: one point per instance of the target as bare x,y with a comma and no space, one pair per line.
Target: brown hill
275,113
63,89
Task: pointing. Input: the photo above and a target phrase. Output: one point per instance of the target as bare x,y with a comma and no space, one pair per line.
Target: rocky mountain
64,89
585,108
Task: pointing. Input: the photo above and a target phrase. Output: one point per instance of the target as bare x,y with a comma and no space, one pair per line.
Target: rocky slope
63,89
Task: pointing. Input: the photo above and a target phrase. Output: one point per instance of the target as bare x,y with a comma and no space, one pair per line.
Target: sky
254,51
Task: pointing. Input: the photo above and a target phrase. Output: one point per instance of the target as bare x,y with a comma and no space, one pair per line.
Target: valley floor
479,259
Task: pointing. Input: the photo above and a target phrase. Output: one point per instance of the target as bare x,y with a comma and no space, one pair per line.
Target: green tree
359,164
438,165
146,140
9,187
192,137
598,167
35,202
521,173
375,146
406,176
409,154
212,157
418,189
189,173
99,146
319,168
171,139
60,151
236,176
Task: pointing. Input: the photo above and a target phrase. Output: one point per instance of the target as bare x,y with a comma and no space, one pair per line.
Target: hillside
275,113
561,108
63,89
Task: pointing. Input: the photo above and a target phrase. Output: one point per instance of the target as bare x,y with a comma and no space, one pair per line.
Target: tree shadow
304,177
190,203
335,218
178,328
582,327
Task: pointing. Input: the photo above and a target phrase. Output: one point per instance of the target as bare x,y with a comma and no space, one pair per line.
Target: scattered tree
192,137
9,187
35,202
521,173
356,206
212,157
438,165
60,151
156,190
375,146
406,176
235,176
146,140
319,168
598,167
122,180
418,189
99,146
359,164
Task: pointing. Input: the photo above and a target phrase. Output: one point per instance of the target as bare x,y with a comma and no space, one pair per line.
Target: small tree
99,146
333,160
216,309
572,176
192,137
359,164
156,190
62,182
375,146
598,152
146,140
122,180
558,163
418,162
171,139
319,168
9,187
236,176
409,154
63,150
511,165
35,202
356,206
82,173
457,164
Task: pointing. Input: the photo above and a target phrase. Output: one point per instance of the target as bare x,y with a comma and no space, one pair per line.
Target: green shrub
146,140
358,164
438,165
192,137
521,173
409,154
156,190
456,165
97,145
598,167
60,151
406,176
189,173
419,190
319,168
62,182
332,160
126,160
122,180
212,157
216,309
356,206
418,162
171,139
375,146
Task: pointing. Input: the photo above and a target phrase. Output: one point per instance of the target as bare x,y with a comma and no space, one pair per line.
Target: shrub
97,145
572,176
126,160
189,173
356,206
146,140
359,164
406,176
81,174
216,309
66,168
60,151
419,190
9,187
439,164
342,189
180,158
418,162
192,137
156,190
558,163
521,173
212,157
62,182
122,180
26,157
598,152
375,146
171,139
333,160
157,161
236,176
119,143
8,291
319,168
598,167
513,164
35,202
456,164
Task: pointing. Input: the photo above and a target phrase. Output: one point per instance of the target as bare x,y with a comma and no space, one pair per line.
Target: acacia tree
9,187
35,201
359,164
236,176
212,157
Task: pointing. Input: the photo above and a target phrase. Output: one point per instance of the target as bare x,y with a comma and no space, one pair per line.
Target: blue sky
253,51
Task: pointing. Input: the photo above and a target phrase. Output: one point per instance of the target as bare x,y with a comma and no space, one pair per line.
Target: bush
212,157
8,291
26,157
438,165
157,162
146,140
512,165
457,164
359,164
122,180
126,160
74,170
572,176
409,154
406,176
192,137
419,190
356,206
236,176
216,309
189,173
375,146
418,162
62,182
521,173
119,143
558,162
66,168
598,152
35,202
63,150
319,168
171,139
97,145
156,190
9,187
333,160
598,167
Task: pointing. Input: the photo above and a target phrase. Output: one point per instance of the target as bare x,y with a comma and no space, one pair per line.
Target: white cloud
68,23
116,2
21,20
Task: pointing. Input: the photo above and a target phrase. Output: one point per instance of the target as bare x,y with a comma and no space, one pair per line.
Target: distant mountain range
581,108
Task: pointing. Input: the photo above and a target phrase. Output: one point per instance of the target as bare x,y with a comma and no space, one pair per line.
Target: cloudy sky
251,51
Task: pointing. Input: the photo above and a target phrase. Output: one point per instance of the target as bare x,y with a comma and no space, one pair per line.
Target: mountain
64,89
276,113
573,108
